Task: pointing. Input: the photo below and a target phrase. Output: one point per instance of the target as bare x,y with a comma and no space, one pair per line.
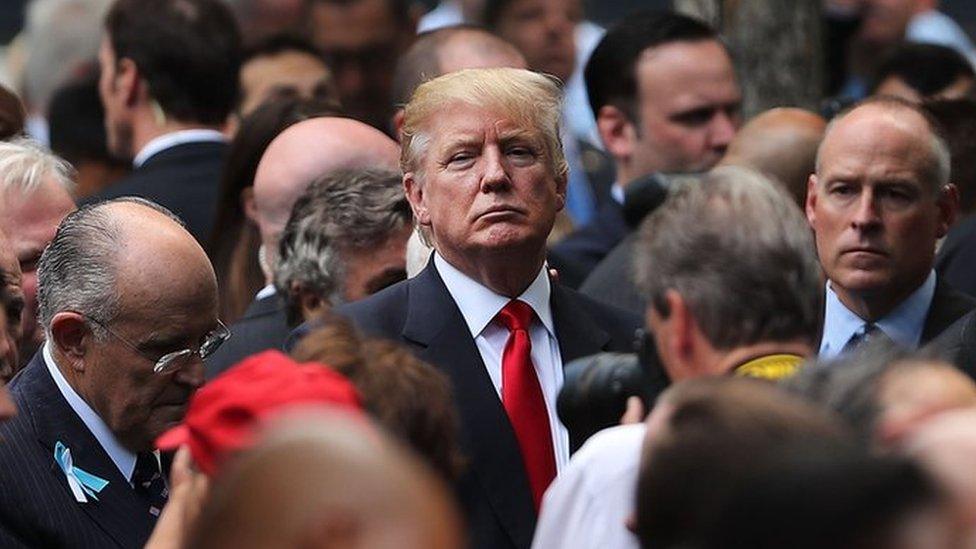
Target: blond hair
530,99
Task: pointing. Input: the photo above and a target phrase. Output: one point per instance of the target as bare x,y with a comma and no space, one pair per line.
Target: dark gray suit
37,508
421,314
264,326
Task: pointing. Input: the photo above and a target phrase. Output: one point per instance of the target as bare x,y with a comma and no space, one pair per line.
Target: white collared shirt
267,291
123,458
173,139
479,306
903,325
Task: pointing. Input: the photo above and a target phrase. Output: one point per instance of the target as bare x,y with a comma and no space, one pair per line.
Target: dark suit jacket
947,306
421,314
184,178
264,326
956,262
37,508
576,255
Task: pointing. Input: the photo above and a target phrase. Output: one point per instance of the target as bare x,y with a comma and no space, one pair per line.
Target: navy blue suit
579,253
184,178
37,508
264,326
421,314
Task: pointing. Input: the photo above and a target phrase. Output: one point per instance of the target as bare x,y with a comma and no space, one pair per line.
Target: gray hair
939,167
24,164
78,269
347,209
60,37
740,253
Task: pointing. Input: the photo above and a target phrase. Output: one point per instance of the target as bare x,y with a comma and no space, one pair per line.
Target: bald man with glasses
128,302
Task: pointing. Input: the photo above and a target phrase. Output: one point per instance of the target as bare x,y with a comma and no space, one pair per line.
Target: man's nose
495,175
193,373
865,215
723,128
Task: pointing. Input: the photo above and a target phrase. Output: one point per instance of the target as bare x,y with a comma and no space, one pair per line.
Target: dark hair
813,495
715,427
280,43
400,9
611,73
926,68
12,114
75,118
188,51
491,13
957,118
234,245
410,398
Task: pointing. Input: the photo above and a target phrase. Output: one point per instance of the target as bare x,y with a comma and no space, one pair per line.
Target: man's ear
561,183
71,335
617,132
948,204
811,204
247,204
128,82
396,122
417,198
682,324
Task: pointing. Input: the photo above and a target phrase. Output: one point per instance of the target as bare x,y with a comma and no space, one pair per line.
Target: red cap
223,414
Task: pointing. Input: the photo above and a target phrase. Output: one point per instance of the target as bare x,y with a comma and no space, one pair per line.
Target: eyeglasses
171,362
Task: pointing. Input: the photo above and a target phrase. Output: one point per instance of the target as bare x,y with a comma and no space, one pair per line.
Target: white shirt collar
267,291
617,193
123,458
479,305
168,140
904,324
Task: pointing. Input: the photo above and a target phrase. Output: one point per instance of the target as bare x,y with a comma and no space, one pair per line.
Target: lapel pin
83,484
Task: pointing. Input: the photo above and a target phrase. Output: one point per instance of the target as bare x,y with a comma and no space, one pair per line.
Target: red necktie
523,400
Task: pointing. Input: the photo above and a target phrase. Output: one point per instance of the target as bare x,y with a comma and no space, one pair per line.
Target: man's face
872,207
688,107
485,185
361,41
543,30
136,403
369,271
30,221
884,21
118,126
11,310
298,70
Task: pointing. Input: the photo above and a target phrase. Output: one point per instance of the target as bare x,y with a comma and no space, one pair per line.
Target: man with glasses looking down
128,301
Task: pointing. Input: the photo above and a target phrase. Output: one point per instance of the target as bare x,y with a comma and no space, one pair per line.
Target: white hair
24,165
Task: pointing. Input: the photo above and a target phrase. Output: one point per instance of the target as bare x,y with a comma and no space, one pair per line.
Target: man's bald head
323,480
781,143
445,50
304,152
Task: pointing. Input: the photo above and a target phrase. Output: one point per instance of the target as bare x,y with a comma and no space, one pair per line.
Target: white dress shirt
588,504
173,139
479,306
123,458
903,325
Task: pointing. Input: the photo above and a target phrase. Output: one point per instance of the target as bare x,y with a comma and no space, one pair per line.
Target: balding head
304,152
447,50
127,297
781,143
324,480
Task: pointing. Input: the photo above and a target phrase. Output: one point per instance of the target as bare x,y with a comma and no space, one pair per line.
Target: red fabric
524,402
225,413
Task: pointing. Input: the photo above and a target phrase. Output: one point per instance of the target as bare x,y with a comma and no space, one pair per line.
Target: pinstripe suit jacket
37,508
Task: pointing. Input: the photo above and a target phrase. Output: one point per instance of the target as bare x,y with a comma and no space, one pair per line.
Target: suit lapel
118,511
435,323
948,305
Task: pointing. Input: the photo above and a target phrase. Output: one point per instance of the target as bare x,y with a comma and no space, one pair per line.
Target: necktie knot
516,315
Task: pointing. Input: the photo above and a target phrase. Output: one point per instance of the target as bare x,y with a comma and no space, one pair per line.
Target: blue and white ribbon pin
83,484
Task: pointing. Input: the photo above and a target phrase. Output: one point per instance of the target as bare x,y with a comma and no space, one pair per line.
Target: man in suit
716,307
288,167
128,300
169,80
879,200
665,97
485,176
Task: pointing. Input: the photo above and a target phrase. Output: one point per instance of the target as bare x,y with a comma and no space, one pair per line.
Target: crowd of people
294,274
